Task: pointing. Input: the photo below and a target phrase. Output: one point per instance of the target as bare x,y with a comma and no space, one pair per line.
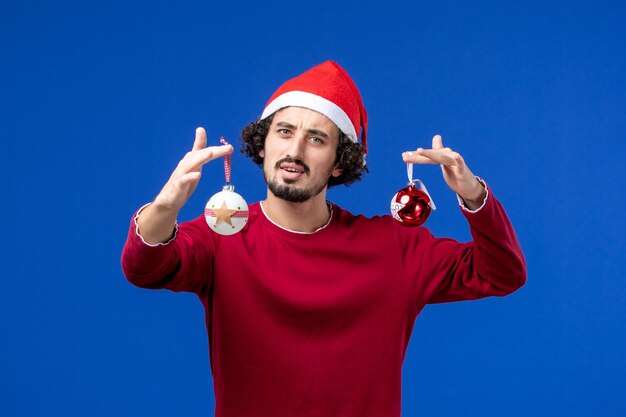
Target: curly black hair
350,155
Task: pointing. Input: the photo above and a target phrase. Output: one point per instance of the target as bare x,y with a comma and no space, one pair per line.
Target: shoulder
346,217
383,225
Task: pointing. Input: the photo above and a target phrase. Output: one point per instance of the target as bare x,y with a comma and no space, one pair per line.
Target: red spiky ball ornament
412,206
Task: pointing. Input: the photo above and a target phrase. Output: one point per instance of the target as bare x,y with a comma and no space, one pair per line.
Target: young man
309,309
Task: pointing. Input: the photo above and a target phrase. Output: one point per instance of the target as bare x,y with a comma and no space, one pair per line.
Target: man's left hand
457,175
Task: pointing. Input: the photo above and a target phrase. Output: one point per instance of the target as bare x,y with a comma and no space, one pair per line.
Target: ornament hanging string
228,162
226,212
412,181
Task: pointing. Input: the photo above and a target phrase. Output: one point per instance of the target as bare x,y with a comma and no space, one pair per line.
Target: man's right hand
157,221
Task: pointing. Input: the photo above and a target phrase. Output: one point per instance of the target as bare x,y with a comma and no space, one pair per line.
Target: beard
288,191
292,193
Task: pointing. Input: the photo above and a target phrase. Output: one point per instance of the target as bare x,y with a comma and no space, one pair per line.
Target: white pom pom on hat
328,89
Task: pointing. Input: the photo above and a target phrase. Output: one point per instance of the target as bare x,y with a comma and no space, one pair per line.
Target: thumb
200,141
437,142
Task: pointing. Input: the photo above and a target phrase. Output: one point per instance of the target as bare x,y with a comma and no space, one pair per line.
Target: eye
284,132
315,139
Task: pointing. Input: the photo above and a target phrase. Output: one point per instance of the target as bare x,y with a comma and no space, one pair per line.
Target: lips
292,166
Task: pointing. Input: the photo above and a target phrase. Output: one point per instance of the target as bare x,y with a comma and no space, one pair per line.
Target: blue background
99,100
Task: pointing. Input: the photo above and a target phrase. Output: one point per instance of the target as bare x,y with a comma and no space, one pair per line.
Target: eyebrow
312,131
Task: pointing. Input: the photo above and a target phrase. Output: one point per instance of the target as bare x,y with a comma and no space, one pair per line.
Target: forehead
307,119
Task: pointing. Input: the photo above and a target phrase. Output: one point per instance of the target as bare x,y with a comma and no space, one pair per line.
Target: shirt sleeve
184,263
491,265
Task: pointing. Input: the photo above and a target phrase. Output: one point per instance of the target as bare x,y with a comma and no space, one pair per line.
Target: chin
285,190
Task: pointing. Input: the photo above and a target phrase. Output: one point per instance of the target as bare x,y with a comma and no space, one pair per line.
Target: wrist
164,207
476,198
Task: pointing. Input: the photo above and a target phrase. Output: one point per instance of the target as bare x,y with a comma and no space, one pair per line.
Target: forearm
497,255
493,264
147,263
182,263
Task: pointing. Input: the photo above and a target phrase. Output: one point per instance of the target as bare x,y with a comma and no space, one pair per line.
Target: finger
195,160
190,178
440,156
200,141
414,158
221,150
437,142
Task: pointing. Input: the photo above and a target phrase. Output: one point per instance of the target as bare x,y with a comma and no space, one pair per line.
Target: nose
296,146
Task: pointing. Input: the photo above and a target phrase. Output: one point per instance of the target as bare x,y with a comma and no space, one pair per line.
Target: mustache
293,161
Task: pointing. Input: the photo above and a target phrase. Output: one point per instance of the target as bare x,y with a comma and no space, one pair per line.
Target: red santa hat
328,89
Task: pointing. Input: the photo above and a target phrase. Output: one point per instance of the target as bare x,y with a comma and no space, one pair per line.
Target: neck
306,217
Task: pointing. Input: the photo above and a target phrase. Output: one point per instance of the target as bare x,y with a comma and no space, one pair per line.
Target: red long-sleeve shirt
318,324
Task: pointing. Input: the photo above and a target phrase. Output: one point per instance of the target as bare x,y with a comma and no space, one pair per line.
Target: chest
310,282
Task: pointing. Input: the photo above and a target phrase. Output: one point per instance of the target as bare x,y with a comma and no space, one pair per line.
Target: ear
337,171
262,153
